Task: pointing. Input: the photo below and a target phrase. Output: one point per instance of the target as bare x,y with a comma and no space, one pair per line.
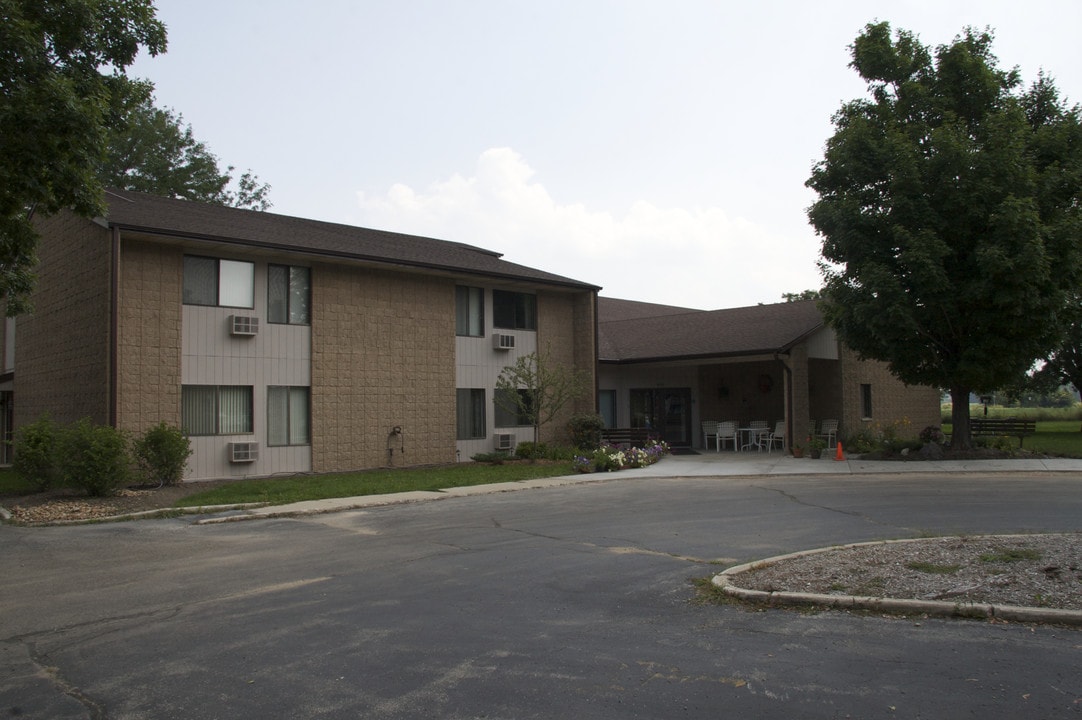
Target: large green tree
154,151
949,210
62,87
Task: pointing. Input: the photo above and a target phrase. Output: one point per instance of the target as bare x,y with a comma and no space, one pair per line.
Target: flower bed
609,458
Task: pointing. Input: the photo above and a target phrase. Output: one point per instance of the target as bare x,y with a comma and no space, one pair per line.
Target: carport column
798,404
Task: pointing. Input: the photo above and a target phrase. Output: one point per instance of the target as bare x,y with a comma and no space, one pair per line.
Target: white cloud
703,258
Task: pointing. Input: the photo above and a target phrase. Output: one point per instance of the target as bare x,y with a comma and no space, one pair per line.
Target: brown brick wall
565,332
149,335
383,355
909,408
62,346
585,313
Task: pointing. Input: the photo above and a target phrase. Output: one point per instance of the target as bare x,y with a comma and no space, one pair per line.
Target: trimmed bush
585,431
94,458
528,450
162,453
35,453
491,458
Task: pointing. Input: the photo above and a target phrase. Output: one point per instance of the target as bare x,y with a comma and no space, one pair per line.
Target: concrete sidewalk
704,464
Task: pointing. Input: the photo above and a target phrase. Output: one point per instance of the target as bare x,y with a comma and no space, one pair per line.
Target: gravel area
68,505
1021,570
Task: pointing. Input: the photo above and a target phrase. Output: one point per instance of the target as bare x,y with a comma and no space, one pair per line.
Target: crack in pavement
849,513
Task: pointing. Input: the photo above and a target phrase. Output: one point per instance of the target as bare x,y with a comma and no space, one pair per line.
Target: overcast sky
658,148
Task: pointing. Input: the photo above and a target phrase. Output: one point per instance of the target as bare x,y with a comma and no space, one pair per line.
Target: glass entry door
664,411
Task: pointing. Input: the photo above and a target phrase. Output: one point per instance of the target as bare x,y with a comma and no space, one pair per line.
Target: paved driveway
564,602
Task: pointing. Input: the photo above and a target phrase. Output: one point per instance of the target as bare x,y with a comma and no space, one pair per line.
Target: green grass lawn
1055,437
280,491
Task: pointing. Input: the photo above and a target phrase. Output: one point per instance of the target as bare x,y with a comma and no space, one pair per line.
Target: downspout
114,324
597,358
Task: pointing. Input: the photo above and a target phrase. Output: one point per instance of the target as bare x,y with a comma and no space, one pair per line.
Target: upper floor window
469,311
514,310
215,282
289,294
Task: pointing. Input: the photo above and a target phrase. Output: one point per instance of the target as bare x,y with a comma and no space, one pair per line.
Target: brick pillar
798,409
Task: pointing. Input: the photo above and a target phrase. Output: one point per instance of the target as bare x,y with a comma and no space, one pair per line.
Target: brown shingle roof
669,335
614,309
184,218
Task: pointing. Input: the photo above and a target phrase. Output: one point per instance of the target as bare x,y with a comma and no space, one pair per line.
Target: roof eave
358,257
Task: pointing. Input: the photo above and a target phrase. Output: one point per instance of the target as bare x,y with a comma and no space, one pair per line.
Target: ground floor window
288,416
216,409
866,401
513,408
470,411
606,406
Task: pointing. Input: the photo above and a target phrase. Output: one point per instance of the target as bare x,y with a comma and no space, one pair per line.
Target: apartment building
284,345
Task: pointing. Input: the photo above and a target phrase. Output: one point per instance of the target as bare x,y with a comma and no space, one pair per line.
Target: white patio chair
828,430
777,437
727,434
710,431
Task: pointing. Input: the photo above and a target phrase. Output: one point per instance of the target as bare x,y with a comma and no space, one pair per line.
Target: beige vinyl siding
278,355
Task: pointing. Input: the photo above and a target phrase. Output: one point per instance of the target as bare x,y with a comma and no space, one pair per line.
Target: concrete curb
6,516
725,581
322,507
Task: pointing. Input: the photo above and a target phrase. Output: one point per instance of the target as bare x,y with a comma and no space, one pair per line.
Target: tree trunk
960,435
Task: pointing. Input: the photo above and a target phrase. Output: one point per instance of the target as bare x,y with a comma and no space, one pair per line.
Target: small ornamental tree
536,388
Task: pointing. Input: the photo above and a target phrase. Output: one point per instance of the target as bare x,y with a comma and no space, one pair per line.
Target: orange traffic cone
839,455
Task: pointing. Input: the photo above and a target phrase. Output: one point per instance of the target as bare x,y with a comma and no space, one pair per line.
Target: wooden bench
1010,427
632,437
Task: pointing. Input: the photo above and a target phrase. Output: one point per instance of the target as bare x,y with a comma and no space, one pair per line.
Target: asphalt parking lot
564,601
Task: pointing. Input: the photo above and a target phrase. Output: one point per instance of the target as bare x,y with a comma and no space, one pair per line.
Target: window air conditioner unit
503,342
505,441
243,325
243,452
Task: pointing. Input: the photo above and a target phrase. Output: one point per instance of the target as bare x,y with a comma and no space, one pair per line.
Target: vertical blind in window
287,416
234,410
216,410
199,409
469,311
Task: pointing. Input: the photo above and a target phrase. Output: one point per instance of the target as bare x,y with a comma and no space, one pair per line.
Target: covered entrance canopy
669,368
